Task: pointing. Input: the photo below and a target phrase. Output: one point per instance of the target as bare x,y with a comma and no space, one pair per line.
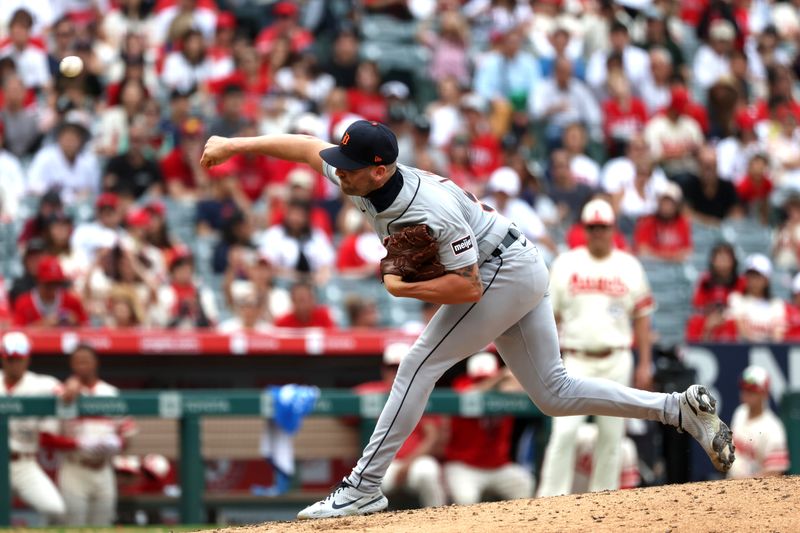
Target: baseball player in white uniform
586,460
494,289
602,303
28,480
760,437
86,477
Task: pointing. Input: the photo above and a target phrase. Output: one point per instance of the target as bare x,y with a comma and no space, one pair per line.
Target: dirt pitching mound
768,505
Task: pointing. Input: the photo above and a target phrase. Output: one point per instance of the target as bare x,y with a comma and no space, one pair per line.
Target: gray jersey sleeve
330,173
458,246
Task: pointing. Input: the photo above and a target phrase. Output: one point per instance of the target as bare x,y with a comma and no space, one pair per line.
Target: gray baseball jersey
514,313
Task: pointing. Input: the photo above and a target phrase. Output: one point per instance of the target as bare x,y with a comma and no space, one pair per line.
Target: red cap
157,208
107,199
679,100
287,9
49,271
138,218
225,20
179,253
745,119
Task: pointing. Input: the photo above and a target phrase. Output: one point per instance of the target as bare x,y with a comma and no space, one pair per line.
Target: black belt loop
510,238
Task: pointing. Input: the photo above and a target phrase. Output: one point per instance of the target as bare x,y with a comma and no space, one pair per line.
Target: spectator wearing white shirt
563,100
247,316
584,168
103,233
713,59
191,66
674,136
735,151
640,197
295,248
504,187
12,182
655,88
635,61
31,60
66,165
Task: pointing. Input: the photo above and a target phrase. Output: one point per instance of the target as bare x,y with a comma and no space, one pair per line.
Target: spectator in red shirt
365,98
710,301
478,451
624,115
755,187
360,251
50,304
181,167
667,233
284,27
306,312
414,468
485,152
793,313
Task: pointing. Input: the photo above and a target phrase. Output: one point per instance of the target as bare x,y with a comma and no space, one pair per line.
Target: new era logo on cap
363,144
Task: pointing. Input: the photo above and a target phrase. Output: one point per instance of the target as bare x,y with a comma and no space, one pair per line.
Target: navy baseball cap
363,144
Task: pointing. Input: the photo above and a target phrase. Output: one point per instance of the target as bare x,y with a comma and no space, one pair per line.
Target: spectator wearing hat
674,136
713,59
12,184
758,316
18,114
555,42
303,185
181,169
561,100
503,190
735,151
49,304
755,188
231,119
66,165
30,59
101,233
415,467
667,233
478,451
710,199
247,315
759,435
635,61
33,252
183,303
306,312
135,172
138,222
285,26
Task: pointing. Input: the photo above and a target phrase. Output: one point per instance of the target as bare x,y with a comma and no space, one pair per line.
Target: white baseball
71,66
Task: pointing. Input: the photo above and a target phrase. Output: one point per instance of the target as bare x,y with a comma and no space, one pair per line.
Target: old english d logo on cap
363,144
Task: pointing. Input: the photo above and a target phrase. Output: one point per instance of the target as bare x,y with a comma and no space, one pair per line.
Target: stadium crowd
682,114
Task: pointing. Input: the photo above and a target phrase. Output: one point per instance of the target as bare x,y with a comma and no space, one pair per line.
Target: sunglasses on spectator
597,227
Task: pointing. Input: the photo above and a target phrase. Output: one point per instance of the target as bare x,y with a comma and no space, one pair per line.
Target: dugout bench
188,408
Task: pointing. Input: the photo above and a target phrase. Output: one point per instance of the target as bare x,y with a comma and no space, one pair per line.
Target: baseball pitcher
445,247
600,297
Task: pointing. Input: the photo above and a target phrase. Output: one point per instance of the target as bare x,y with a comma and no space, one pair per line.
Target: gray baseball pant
516,314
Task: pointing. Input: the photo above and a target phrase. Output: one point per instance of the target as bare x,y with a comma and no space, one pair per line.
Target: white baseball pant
35,488
424,478
558,468
467,484
90,494
516,314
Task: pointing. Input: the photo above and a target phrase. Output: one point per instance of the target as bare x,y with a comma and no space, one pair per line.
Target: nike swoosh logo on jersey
345,504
